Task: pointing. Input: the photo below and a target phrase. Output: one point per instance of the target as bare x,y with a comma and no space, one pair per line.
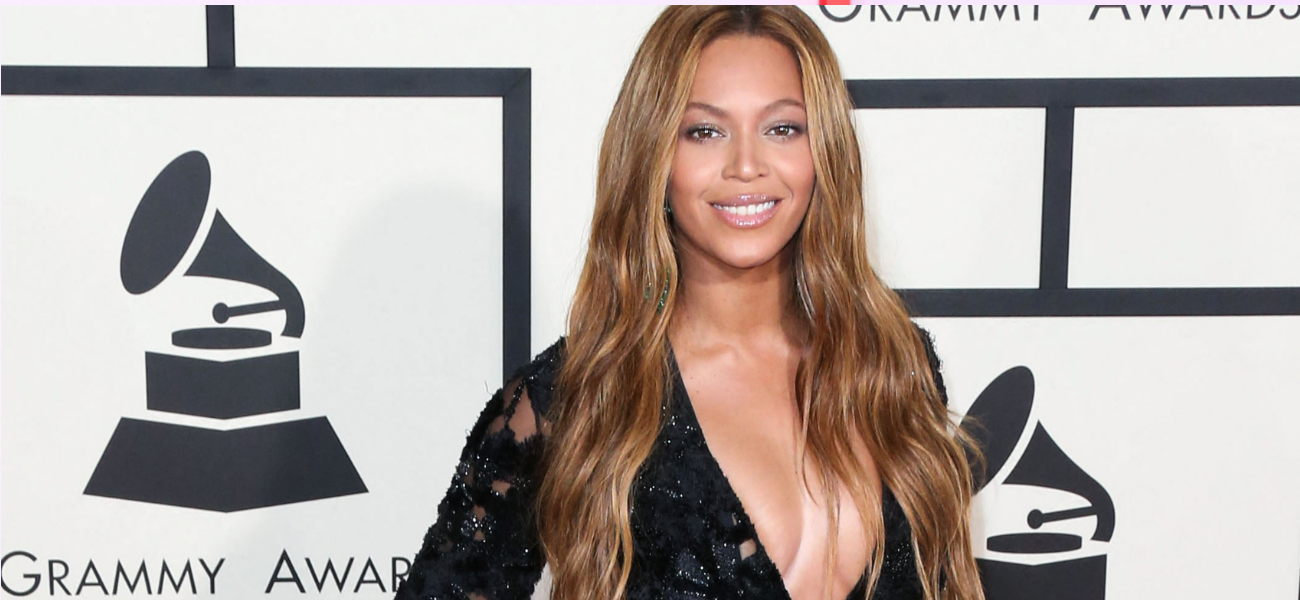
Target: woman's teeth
748,209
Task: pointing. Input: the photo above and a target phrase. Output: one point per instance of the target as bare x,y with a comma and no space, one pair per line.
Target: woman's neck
720,304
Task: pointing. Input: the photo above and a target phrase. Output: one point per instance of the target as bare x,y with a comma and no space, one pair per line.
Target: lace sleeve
928,341
484,545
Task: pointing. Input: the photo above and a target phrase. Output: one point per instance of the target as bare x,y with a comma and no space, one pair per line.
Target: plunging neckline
760,552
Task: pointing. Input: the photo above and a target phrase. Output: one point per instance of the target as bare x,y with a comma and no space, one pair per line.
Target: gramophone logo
1054,546
208,468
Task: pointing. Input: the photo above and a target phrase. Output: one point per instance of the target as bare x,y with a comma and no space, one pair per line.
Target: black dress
687,522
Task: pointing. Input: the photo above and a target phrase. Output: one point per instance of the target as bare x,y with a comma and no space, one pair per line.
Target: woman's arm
484,545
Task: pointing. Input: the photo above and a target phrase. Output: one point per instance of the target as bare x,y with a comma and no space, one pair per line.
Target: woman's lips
745,215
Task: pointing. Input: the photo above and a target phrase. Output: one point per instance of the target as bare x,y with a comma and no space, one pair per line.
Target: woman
727,321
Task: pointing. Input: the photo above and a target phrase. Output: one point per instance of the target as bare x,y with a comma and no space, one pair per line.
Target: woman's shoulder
927,340
538,375
932,357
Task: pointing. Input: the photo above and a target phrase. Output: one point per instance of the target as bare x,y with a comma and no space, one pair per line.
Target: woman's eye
786,130
702,133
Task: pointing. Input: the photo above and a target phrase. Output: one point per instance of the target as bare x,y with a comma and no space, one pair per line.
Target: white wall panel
136,36
1186,197
384,212
1186,422
952,200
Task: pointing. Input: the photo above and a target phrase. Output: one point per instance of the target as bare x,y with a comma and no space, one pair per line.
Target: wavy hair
864,375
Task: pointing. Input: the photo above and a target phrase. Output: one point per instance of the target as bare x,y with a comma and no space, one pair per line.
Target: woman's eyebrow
720,113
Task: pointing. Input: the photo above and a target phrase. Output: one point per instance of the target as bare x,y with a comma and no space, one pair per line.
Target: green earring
663,296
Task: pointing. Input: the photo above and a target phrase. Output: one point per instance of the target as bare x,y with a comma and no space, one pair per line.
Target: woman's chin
748,256
732,250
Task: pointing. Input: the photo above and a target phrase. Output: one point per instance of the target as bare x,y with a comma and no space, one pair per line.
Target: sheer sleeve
935,365
484,545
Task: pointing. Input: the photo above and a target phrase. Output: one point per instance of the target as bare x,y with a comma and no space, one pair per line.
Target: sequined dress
688,524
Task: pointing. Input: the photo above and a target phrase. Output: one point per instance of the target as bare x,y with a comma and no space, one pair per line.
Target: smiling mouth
747,209
748,212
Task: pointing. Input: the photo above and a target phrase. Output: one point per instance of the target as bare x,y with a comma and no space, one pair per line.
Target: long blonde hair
864,375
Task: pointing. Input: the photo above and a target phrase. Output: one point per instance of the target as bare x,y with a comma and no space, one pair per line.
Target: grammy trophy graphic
210,468
1034,562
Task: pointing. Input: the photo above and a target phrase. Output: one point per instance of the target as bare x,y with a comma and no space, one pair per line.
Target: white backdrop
385,213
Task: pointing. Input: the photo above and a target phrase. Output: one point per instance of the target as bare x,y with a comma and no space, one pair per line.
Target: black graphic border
512,85
1060,97
221,36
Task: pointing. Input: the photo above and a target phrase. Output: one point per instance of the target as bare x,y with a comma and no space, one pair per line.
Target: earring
663,296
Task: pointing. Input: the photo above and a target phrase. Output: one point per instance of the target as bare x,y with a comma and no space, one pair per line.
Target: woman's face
743,173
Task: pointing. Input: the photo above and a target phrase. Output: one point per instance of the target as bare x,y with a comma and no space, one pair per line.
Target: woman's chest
692,535
753,436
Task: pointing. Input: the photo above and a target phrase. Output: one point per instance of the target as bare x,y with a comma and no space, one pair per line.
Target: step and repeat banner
260,268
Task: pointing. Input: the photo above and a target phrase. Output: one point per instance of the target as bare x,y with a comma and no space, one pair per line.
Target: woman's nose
746,161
